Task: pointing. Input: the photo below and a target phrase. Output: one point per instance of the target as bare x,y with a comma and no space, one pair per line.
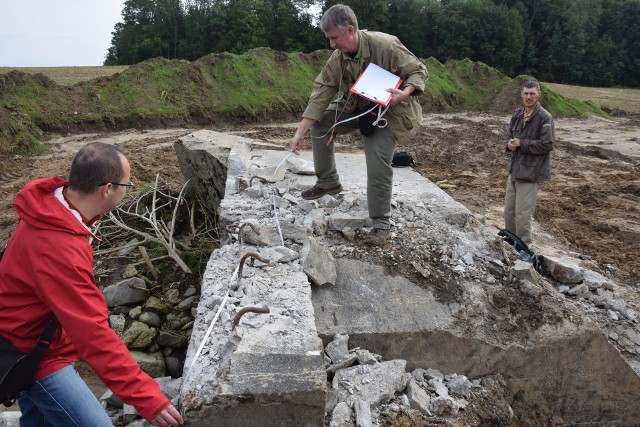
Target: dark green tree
150,28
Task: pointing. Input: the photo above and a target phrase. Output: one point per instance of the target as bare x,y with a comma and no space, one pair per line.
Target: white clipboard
373,84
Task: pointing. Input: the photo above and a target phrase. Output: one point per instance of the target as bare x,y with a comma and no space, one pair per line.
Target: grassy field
606,98
67,76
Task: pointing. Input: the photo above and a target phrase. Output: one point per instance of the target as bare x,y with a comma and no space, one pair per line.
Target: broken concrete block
419,399
363,414
300,166
459,385
338,221
318,263
563,271
341,416
385,380
338,349
525,271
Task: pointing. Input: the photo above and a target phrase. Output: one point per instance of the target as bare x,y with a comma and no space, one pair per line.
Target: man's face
118,191
345,42
530,96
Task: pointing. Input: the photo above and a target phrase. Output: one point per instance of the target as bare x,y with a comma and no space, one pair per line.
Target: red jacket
48,268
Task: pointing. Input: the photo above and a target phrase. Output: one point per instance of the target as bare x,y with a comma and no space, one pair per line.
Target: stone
300,166
318,263
138,335
338,349
439,387
418,398
363,414
563,271
341,416
126,292
459,385
150,318
386,378
155,304
117,322
524,270
443,406
338,221
169,339
152,363
187,303
203,157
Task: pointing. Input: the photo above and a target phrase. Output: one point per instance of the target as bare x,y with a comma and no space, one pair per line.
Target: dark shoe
378,236
317,192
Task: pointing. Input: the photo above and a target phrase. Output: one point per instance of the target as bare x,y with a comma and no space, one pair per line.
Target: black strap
47,336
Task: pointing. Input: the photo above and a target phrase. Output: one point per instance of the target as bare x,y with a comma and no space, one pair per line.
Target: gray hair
339,16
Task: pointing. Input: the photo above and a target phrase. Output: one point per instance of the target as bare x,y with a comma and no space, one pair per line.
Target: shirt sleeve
325,88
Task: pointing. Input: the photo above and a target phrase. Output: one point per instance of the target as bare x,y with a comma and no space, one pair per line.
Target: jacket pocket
530,168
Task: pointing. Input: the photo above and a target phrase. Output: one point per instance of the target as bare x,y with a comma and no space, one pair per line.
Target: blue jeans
61,399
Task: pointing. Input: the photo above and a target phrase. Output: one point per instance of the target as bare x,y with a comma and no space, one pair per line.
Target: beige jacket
331,87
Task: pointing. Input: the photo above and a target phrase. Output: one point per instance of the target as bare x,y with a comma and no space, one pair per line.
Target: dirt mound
506,101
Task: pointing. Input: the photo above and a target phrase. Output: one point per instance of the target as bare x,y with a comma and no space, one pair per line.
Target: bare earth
589,211
590,208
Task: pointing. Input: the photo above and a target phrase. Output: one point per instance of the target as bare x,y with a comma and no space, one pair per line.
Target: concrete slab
440,295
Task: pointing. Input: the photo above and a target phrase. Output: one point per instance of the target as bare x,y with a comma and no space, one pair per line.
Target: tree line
584,42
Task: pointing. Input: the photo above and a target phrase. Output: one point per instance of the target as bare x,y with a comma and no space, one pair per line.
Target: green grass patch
262,84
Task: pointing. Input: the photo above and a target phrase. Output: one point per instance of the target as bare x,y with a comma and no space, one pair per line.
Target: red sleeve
67,285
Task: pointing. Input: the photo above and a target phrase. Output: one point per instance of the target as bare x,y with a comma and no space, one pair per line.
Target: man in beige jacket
331,102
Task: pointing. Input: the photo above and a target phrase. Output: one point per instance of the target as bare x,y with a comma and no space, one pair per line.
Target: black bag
365,124
17,369
523,250
402,159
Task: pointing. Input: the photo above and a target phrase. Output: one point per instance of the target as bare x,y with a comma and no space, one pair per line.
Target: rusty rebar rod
243,259
244,310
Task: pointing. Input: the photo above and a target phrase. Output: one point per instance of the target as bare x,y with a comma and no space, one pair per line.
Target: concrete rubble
446,293
442,317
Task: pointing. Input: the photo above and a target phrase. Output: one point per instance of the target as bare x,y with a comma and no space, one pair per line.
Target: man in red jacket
48,269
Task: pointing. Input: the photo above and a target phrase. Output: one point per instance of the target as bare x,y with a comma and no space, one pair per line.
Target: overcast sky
54,33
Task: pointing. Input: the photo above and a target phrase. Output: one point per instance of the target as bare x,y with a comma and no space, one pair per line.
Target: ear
105,190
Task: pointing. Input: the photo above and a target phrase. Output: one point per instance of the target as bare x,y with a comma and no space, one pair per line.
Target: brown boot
317,192
378,236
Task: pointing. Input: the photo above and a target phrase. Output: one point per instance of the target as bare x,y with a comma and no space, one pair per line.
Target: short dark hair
340,16
529,84
96,163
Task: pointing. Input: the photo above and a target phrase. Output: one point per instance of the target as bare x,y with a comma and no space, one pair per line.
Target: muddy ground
589,211
590,208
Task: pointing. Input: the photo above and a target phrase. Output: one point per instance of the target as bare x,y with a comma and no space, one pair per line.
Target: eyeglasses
129,185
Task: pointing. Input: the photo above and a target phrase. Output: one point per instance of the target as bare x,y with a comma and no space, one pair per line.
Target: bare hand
398,96
169,417
513,144
296,144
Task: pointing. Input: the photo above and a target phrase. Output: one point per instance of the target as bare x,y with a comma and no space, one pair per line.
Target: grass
262,84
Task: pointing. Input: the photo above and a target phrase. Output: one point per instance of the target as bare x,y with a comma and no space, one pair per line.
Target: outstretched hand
168,417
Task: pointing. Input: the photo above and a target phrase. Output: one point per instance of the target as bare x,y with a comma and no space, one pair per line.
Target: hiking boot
378,236
317,192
